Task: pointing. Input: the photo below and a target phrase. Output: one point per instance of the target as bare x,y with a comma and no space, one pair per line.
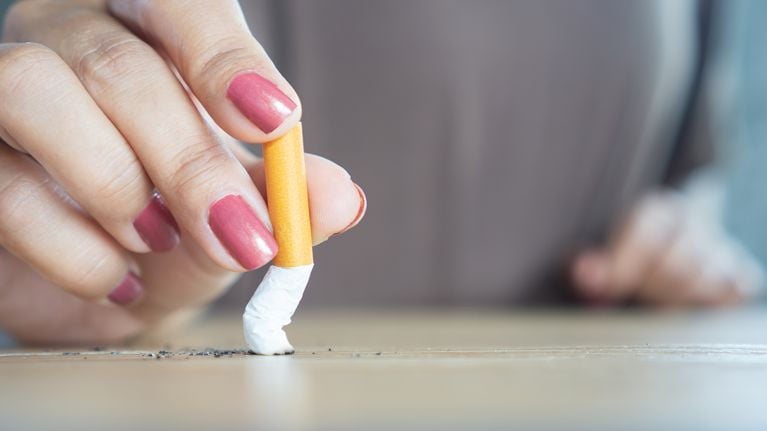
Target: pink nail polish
128,291
157,227
360,212
241,232
260,100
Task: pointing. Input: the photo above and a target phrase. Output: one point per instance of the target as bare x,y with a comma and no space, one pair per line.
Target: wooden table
436,370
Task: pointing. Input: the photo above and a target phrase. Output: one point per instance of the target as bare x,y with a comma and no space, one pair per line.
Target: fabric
493,138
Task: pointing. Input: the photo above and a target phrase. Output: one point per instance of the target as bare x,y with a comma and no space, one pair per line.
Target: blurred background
495,139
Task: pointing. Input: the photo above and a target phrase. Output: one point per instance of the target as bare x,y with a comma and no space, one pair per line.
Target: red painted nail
241,232
260,100
157,227
360,212
128,291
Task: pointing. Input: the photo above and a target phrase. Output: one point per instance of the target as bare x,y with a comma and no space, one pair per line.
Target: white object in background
271,308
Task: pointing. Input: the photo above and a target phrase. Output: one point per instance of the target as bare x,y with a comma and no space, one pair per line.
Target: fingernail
241,232
260,100
360,212
128,291
156,226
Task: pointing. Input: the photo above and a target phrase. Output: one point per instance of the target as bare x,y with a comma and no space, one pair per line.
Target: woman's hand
105,108
671,250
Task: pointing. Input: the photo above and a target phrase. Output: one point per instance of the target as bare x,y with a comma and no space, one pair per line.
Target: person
495,139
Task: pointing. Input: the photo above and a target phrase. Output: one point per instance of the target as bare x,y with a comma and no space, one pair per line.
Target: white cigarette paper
271,308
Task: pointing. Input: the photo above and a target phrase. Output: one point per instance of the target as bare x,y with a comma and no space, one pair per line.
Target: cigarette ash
164,353
207,352
186,353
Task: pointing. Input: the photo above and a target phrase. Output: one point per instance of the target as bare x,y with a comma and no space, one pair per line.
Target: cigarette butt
279,293
288,198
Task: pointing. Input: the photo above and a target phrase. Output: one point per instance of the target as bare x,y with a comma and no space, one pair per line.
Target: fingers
187,278
55,239
208,192
669,256
226,68
65,319
48,114
702,268
336,203
678,281
615,273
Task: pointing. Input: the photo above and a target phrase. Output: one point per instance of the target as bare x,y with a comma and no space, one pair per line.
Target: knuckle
16,196
88,267
27,69
116,187
91,274
199,165
110,59
119,181
22,62
16,52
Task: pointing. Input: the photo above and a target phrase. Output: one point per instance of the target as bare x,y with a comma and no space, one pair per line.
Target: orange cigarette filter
288,198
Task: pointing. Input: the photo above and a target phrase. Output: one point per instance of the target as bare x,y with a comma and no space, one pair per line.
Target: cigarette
279,293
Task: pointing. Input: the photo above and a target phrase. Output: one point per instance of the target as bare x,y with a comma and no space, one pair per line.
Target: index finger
225,67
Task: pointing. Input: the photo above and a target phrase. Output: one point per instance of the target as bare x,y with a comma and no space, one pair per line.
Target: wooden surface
412,370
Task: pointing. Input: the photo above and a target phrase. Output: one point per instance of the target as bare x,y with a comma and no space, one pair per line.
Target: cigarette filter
288,199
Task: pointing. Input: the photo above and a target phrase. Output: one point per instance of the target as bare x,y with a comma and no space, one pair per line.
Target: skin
669,253
95,118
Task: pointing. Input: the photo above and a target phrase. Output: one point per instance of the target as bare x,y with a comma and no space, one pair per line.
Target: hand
670,251
96,124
